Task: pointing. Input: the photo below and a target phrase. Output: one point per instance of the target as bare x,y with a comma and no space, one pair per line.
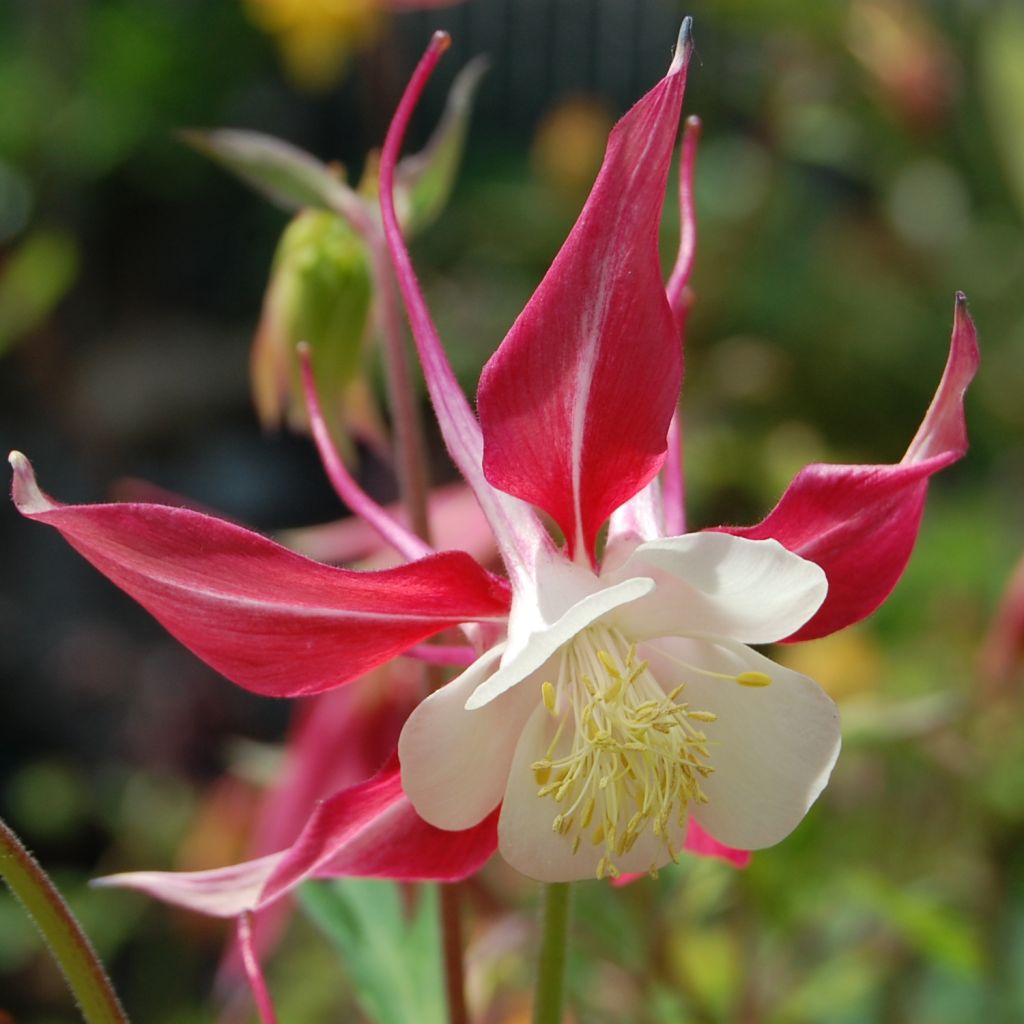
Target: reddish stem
258,984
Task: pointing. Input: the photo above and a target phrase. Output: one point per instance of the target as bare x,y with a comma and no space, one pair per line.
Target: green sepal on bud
321,288
320,292
424,181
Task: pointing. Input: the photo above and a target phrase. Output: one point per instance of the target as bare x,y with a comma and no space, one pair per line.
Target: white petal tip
25,491
476,700
684,46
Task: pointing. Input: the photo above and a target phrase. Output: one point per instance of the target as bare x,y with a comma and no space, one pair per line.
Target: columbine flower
626,699
614,700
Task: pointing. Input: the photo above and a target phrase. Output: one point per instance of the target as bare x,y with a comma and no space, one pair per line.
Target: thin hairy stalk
410,447
410,450
63,935
253,972
390,530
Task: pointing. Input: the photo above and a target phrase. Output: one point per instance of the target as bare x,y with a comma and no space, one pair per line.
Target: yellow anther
754,679
703,716
588,812
547,692
606,659
598,837
541,772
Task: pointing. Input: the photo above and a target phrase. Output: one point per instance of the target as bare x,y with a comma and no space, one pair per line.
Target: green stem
550,997
62,933
410,445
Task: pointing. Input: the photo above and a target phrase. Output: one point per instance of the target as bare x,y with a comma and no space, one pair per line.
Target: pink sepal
700,843
337,739
576,402
270,620
368,830
859,523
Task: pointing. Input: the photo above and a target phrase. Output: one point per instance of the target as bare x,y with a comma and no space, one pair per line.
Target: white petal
525,836
772,747
542,644
714,584
560,584
455,762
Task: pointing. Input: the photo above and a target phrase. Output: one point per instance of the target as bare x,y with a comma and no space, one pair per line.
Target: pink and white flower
613,707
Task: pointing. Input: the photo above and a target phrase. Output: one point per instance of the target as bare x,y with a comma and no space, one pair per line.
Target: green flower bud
320,292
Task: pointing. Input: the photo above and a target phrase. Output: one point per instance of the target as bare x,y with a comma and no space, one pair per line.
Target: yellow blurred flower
317,37
845,663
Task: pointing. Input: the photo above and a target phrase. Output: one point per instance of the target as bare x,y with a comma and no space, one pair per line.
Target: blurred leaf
1001,66
285,174
709,958
50,799
935,929
870,719
836,990
427,177
34,279
392,959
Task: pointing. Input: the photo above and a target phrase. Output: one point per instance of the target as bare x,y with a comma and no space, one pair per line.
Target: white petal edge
772,748
455,762
542,644
714,584
525,836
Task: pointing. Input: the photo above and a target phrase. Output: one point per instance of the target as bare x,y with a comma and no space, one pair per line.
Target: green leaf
392,958
285,174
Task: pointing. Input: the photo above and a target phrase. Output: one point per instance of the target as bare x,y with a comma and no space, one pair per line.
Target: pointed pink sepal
368,830
270,620
576,402
859,523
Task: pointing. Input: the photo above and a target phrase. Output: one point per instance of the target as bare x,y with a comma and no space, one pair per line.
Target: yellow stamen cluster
625,756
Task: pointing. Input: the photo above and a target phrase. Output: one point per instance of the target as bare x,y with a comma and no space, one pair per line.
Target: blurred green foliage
861,160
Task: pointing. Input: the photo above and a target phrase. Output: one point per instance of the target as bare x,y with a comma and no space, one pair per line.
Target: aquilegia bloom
613,703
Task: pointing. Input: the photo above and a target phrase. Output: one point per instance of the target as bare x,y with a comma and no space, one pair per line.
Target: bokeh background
861,160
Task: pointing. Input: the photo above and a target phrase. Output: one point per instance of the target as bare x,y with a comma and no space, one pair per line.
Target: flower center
625,757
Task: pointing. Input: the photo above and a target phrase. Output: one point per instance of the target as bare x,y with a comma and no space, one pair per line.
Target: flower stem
413,485
251,963
451,937
550,996
410,447
62,933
